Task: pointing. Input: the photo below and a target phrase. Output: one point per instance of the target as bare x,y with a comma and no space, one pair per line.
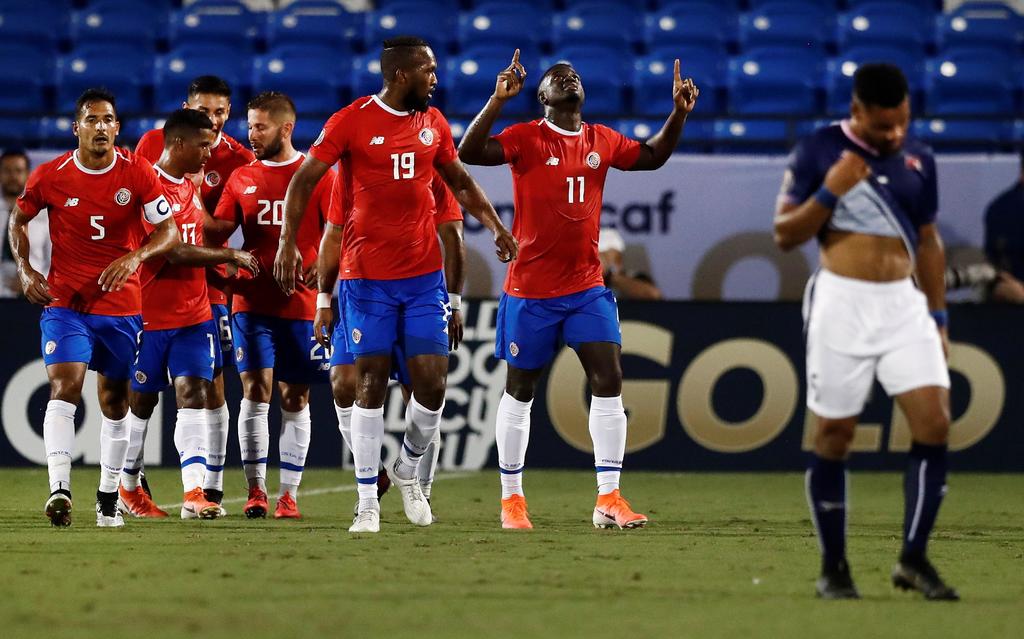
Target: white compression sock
136,450
293,445
59,439
367,433
345,423
113,447
512,433
608,431
217,426
190,440
428,464
419,431
254,441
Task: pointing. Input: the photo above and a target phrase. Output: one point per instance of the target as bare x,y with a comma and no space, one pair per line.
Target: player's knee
606,383
430,393
192,395
255,390
834,437
143,404
294,399
66,391
933,427
343,385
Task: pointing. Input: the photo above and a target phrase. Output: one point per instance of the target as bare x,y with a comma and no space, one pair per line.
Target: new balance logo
249,190
552,161
378,139
828,506
72,201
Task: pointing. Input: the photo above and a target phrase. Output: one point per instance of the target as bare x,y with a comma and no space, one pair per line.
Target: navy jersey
896,200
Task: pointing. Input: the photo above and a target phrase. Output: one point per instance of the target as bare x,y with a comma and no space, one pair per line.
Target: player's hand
245,261
34,286
684,92
510,81
848,170
116,275
508,247
310,275
455,330
323,325
287,266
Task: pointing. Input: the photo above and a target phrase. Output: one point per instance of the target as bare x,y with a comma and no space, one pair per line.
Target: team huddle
350,273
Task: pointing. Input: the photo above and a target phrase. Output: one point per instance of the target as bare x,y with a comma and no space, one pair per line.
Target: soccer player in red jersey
272,330
179,334
211,96
555,293
390,145
99,199
343,370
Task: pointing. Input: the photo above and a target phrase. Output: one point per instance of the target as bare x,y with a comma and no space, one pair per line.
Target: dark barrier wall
709,386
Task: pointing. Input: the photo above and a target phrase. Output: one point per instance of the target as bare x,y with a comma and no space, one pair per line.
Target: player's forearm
474,142
931,270
192,255
300,190
665,141
216,230
161,241
454,256
17,238
796,225
473,200
328,260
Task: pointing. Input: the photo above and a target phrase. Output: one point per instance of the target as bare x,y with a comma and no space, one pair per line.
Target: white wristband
456,301
323,300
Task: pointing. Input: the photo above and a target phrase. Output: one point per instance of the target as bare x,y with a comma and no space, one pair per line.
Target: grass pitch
725,555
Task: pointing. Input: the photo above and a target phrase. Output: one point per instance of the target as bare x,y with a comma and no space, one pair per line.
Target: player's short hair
210,85
398,53
95,94
550,70
277,104
185,123
15,152
880,84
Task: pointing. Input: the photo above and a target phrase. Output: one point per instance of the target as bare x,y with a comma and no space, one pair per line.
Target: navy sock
924,486
826,496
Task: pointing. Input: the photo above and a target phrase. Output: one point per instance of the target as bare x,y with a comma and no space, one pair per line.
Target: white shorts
856,330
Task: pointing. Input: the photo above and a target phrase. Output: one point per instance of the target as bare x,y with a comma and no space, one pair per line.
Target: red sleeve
509,139
447,206
446,153
31,201
332,142
150,145
227,205
324,195
152,201
624,150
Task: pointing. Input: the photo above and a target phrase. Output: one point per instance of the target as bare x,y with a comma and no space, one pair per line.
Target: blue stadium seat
51,6
690,24
927,7
503,25
787,23
27,74
601,71
829,6
238,128
366,77
775,80
410,18
124,70
970,80
803,128
697,132
222,22
118,21
598,23
737,135
55,132
33,24
317,23
537,6
134,128
884,23
989,24
176,70
652,80
963,135
18,131
311,76
434,5
307,128
839,74
471,77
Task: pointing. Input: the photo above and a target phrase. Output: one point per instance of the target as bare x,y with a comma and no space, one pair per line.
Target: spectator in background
14,170
1004,242
628,285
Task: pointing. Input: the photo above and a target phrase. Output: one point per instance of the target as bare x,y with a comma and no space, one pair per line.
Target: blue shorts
190,351
341,357
376,314
530,331
222,321
107,343
285,345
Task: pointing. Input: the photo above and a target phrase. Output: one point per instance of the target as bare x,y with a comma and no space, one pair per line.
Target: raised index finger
515,59
675,69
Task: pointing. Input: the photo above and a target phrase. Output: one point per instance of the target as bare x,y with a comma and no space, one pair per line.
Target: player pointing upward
555,291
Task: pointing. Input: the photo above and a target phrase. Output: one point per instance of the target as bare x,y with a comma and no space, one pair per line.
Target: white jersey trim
560,130
83,169
167,176
292,160
381,104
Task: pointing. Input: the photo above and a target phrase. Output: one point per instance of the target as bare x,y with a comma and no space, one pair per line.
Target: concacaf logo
140,377
239,354
514,349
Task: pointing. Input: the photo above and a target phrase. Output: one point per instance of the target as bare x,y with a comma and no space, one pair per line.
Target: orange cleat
138,503
257,506
613,510
513,513
196,506
287,508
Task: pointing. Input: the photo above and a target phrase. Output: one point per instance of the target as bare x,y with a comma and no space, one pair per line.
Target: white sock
113,446
133,457
293,446
419,431
217,426
345,423
59,439
428,464
367,433
254,440
608,430
190,440
512,433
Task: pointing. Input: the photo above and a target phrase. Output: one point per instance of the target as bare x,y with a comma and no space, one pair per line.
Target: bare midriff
866,257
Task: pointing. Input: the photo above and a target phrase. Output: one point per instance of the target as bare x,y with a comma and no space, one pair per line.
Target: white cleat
106,521
417,508
366,521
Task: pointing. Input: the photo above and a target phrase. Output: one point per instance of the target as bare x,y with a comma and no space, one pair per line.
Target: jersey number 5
94,221
406,162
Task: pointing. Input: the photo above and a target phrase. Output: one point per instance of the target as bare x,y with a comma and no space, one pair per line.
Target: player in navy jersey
870,197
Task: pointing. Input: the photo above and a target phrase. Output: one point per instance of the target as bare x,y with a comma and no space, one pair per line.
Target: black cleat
837,583
214,495
917,573
58,509
145,484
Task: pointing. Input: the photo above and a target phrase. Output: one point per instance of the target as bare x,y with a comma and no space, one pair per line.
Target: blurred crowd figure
627,284
14,170
1004,242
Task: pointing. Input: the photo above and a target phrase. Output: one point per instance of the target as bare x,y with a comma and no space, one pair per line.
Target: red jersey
254,198
226,155
174,295
558,182
95,218
448,209
388,160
